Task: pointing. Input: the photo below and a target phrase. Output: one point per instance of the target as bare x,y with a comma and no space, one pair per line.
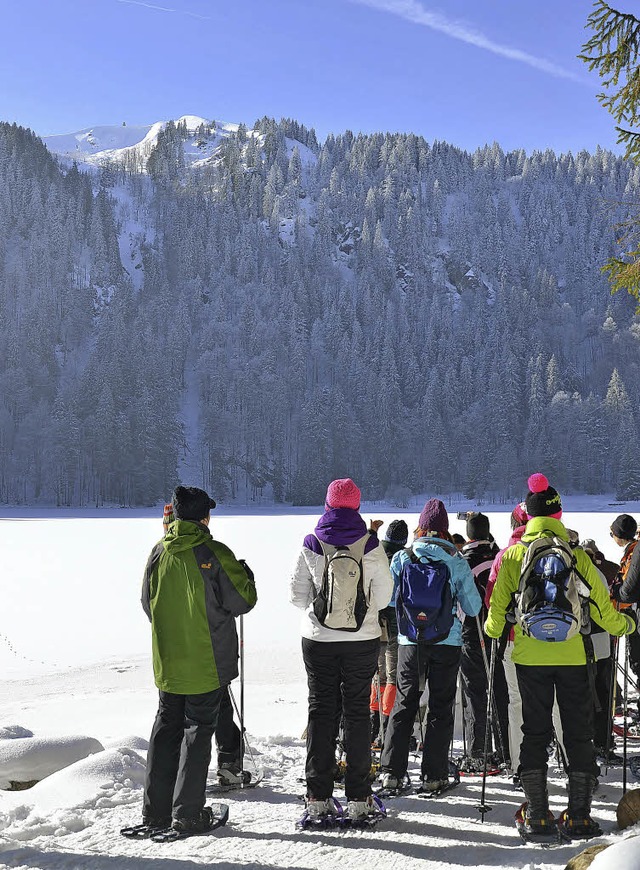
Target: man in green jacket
193,589
546,669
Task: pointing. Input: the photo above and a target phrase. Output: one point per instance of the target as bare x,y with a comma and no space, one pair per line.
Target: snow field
74,653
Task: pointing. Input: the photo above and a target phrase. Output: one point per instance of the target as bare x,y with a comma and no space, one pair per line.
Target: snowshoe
633,731
433,788
364,814
578,829
225,783
144,830
210,818
544,832
393,786
471,765
321,814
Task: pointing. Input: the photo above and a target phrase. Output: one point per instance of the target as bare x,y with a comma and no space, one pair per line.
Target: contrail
165,9
416,13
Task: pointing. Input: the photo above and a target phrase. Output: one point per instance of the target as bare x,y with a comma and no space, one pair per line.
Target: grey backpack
341,603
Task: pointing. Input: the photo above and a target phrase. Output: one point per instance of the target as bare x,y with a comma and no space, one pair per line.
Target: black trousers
474,685
228,737
339,672
439,663
570,685
179,755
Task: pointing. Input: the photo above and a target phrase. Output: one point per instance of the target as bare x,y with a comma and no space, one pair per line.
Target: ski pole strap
591,670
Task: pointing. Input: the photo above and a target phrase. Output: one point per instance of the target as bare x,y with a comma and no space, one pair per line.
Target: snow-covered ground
76,674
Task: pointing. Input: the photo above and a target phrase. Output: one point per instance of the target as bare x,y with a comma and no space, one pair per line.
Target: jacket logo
206,565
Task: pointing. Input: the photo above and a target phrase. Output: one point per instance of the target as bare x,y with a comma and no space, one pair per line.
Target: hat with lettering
542,499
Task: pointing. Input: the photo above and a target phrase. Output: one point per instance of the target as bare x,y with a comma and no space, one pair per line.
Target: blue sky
466,71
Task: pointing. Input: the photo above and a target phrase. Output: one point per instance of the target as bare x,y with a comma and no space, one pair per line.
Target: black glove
247,569
616,586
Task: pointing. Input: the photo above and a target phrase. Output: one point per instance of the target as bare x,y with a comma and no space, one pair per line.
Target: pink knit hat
343,493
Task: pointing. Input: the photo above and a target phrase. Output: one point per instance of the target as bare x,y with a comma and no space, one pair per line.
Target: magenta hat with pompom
342,493
542,500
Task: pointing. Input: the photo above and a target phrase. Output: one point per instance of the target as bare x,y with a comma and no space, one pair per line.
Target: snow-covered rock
619,856
25,759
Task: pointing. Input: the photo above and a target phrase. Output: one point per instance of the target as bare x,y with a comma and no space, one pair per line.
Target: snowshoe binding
144,830
321,814
544,832
433,788
364,814
471,765
394,786
210,818
578,829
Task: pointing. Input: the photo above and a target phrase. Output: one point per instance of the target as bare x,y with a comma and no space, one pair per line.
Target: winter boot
230,774
363,810
319,810
390,781
576,820
199,824
536,817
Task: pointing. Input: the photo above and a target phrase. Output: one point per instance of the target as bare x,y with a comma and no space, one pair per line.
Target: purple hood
339,527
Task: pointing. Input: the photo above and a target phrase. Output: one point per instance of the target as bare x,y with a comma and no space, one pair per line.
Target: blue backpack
552,599
424,603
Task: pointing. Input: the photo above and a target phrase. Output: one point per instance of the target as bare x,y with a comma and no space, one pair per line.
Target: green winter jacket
527,650
193,588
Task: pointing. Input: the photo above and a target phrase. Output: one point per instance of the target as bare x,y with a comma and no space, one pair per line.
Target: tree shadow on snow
34,859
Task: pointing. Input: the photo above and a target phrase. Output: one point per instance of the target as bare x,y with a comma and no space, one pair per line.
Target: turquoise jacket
466,598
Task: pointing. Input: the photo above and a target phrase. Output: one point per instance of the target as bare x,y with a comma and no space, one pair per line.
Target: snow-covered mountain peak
101,144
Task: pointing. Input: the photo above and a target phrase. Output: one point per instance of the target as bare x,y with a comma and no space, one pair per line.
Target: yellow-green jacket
527,650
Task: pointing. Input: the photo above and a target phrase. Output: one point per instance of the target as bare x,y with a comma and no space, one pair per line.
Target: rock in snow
29,759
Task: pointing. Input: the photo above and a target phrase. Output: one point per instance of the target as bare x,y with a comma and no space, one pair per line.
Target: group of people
367,665
530,676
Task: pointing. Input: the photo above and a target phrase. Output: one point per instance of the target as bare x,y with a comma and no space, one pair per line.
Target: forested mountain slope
261,313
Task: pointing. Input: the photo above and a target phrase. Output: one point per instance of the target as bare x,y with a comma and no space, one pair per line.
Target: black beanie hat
542,499
397,532
477,527
624,527
191,503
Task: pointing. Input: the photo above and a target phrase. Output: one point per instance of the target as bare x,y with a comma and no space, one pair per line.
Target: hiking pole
463,713
632,683
244,742
612,701
483,809
242,691
496,730
625,691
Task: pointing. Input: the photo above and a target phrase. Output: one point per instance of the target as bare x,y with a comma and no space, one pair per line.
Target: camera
466,515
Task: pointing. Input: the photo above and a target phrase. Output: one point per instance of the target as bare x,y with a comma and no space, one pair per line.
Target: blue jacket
463,587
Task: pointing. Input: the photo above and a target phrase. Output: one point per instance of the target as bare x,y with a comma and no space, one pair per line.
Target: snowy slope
74,659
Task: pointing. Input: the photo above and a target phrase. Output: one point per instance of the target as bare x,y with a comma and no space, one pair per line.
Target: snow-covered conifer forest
210,301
